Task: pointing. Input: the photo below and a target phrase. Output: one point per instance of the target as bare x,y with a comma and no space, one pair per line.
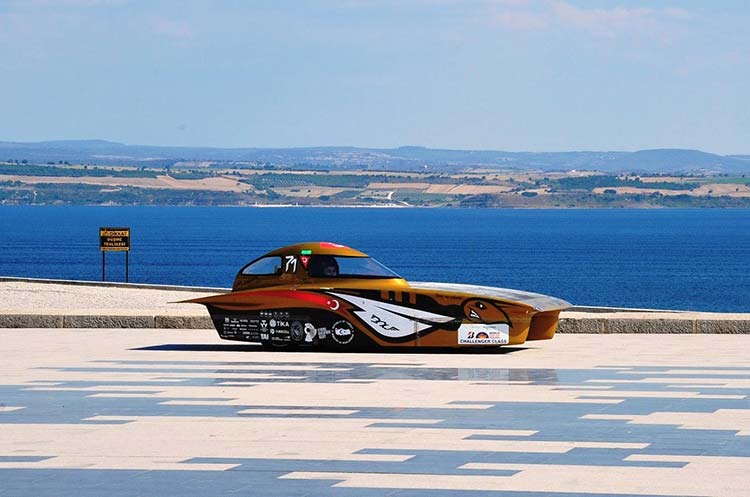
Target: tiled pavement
154,412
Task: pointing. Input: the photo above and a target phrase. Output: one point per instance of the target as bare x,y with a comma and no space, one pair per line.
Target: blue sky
537,75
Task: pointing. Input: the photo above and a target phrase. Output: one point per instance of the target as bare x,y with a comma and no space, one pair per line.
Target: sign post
114,239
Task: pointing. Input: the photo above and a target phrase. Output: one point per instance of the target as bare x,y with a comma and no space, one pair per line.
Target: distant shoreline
277,186
382,207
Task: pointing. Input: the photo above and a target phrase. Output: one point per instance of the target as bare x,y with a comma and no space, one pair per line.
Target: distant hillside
678,160
402,158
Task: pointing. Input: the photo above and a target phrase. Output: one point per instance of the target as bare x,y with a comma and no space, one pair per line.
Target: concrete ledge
108,322
568,325
725,326
655,325
104,321
183,322
644,325
29,303
587,325
30,321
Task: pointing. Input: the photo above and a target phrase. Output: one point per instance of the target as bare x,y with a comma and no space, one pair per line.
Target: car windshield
329,266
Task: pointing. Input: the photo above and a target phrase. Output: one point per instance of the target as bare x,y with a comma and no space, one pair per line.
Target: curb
567,325
653,326
598,320
94,321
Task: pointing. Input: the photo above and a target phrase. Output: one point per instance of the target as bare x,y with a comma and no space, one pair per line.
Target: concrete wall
34,303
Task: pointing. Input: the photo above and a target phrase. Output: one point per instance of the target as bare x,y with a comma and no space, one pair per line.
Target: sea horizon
680,259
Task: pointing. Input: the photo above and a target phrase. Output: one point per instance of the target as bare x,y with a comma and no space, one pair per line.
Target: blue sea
694,259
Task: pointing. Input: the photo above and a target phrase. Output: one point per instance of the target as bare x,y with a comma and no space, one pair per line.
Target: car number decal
291,264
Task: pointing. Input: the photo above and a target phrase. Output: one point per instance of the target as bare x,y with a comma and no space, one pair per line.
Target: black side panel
254,326
276,326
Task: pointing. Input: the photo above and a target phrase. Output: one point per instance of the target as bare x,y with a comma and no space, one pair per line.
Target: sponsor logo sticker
342,332
483,334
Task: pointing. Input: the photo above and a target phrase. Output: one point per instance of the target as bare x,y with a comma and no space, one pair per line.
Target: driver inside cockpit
324,266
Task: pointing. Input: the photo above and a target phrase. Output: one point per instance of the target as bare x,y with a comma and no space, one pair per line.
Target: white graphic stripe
392,320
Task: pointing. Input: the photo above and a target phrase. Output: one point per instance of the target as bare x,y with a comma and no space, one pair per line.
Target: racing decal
296,331
310,332
342,332
291,262
274,326
240,328
391,320
383,324
481,311
483,334
319,299
305,259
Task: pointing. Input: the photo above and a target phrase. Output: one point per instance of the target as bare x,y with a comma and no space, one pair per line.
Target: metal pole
104,264
127,258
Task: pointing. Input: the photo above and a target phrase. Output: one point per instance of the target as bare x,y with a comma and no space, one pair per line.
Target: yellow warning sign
114,239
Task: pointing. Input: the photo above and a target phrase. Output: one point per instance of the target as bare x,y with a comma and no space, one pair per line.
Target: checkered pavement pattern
150,417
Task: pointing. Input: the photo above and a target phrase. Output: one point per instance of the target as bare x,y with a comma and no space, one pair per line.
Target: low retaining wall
36,303
95,321
567,325
653,325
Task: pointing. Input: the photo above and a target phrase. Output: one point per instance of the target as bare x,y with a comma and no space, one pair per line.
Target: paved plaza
173,412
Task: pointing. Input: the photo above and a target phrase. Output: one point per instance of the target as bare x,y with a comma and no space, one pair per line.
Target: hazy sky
537,75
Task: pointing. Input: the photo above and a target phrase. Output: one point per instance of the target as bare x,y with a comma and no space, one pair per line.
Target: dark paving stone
551,421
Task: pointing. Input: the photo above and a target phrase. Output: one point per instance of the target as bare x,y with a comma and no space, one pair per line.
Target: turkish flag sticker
305,259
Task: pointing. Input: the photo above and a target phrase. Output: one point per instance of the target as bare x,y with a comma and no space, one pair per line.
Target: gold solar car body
325,294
